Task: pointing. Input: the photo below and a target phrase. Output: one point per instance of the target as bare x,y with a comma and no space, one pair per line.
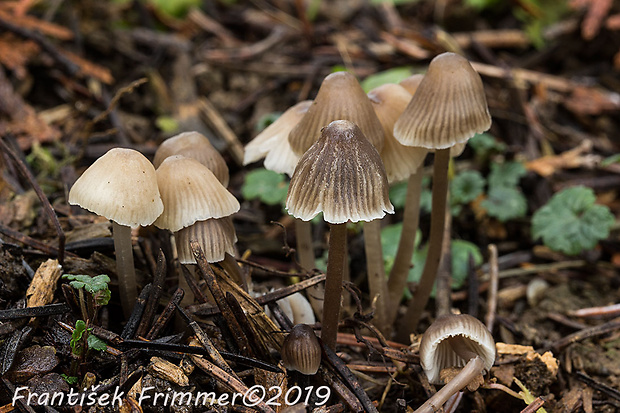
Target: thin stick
423,292
377,282
333,283
406,245
493,287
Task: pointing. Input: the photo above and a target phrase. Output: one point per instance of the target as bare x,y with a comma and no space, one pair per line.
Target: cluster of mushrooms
342,151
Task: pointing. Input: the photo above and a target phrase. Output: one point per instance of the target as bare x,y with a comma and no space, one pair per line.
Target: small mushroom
457,340
301,350
448,108
342,176
196,146
121,186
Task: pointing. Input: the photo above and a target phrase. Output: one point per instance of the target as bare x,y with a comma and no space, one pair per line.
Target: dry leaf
574,158
592,101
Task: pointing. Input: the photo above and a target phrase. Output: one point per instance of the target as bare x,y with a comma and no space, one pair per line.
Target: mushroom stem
305,251
406,245
438,218
124,266
333,283
377,283
472,369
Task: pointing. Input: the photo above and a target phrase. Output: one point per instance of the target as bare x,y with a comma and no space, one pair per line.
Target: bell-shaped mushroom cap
411,83
196,146
340,97
121,186
341,175
274,138
216,237
448,107
436,352
389,101
301,350
191,193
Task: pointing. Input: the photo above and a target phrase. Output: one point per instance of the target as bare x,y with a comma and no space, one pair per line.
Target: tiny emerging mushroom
455,341
301,350
121,186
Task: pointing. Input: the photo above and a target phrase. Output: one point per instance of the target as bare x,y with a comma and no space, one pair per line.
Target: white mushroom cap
121,186
436,352
191,193
196,146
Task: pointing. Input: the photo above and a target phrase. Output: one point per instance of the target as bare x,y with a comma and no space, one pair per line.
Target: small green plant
97,286
571,222
466,186
505,203
267,186
72,380
82,340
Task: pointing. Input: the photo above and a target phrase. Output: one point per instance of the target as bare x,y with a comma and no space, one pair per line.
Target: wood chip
168,371
43,285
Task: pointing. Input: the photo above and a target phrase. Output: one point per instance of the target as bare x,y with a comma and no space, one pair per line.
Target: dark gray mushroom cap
448,107
301,350
436,348
342,176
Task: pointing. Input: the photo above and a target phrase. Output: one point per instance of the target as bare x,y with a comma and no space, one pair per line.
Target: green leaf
482,4
77,347
466,186
610,160
167,124
390,237
505,203
460,251
483,144
267,186
267,120
571,222
97,286
69,379
393,75
175,8
506,174
95,343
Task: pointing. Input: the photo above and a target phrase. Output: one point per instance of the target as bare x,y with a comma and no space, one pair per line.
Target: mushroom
455,341
191,193
339,97
401,162
448,107
196,146
121,186
301,350
341,175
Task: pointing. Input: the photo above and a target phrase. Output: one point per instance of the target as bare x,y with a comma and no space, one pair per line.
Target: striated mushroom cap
341,175
448,107
272,142
196,146
121,186
437,353
389,101
191,193
215,236
301,350
340,97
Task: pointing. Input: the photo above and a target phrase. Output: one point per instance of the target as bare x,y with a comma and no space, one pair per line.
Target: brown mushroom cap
191,192
196,146
340,97
389,101
341,175
216,237
301,350
272,142
121,186
436,353
448,107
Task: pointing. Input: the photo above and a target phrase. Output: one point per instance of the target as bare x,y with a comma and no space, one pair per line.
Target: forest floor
80,78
